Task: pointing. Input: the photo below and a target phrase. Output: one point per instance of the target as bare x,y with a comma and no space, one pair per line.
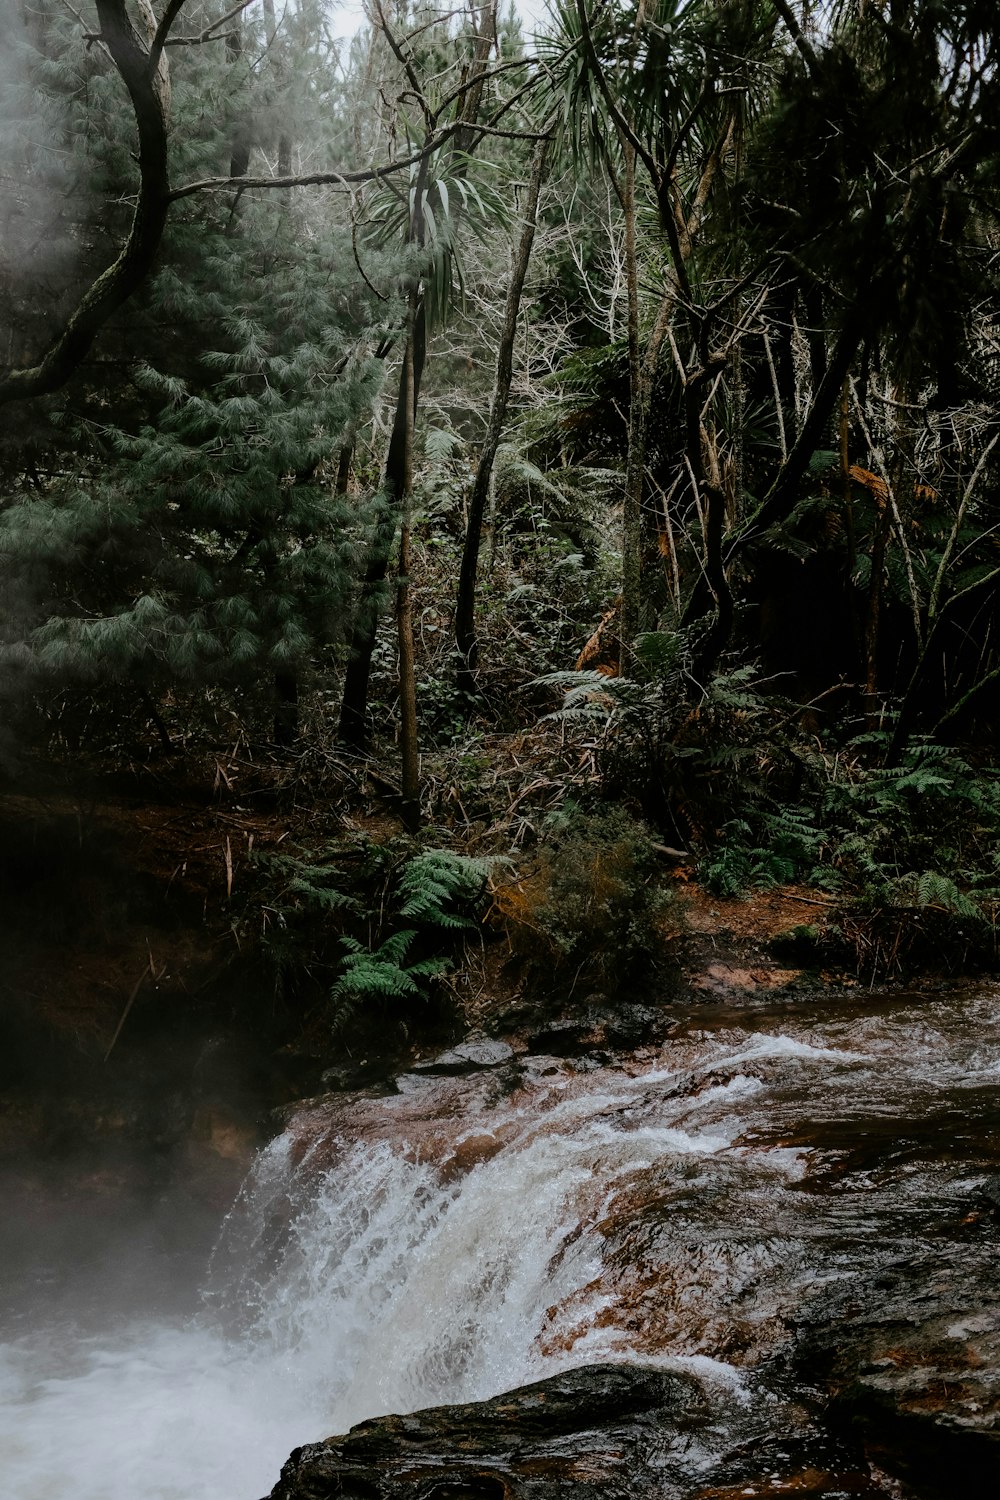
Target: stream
744,1185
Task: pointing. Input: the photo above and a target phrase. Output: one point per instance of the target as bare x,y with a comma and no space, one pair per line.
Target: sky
349,15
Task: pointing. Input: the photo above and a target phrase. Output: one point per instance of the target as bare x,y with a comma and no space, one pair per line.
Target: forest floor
136,925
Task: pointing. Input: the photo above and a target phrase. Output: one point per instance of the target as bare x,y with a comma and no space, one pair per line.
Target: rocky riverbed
747,1249
752,1254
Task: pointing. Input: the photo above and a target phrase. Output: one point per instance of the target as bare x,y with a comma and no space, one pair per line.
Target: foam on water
150,1413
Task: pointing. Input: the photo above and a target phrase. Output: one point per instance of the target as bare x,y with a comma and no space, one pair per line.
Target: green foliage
729,771
375,924
434,891
313,885
559,503
593,903
379,975
779,845
437,888
211,545
441,197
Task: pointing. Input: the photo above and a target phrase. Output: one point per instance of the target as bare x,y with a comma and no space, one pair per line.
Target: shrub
592,905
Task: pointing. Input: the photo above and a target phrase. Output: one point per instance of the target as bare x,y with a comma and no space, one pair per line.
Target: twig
149,969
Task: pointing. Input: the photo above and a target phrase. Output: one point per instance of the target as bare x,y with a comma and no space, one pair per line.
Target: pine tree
201,535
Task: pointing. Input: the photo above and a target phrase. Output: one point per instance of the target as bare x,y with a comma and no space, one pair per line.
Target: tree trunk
352,729
149,93
635,466
239,151
409,750
637,520
874,616
286,709
353,710
780,500
465,607
277,63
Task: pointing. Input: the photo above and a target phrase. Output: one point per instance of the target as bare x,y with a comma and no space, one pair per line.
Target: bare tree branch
320,179
211,32
115,285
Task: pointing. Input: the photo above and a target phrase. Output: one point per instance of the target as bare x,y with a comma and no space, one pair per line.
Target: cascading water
682,1205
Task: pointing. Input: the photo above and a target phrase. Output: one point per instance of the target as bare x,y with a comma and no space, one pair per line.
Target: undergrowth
369,925
909,852
589,905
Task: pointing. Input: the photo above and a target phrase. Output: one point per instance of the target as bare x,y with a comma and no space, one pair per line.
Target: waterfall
462,1237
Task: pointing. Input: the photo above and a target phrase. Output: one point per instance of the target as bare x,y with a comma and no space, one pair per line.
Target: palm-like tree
424,215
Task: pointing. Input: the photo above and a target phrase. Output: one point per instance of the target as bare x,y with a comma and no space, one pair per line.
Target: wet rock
564,1038
633,1025
470,1056
911,1360
609,1430
602,1026
988,1193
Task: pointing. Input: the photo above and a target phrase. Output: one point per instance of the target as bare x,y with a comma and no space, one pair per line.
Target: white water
365,1280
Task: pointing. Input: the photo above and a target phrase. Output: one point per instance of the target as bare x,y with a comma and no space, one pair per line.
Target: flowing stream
684,1204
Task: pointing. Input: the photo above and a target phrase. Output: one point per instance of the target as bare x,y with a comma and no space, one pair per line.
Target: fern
379,975
315,887
432,883
932,889
434,892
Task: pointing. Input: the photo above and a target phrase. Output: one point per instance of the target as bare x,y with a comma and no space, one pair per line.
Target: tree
200,535
666,91
465,604
138,57
427,219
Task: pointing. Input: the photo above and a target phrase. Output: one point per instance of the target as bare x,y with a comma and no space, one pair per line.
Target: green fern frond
930,888
432,884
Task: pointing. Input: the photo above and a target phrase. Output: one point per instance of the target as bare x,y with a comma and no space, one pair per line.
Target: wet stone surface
608,1431
468,1057
792,1207
910,1359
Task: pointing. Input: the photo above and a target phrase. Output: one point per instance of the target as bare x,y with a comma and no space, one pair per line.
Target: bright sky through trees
349,15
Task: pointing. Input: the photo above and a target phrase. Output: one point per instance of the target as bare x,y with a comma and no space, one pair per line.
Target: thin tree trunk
465,607
277,64
344,466
239,151
409,750
635,467
636,520
352,729
784,492
874,616
286,708
354,705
